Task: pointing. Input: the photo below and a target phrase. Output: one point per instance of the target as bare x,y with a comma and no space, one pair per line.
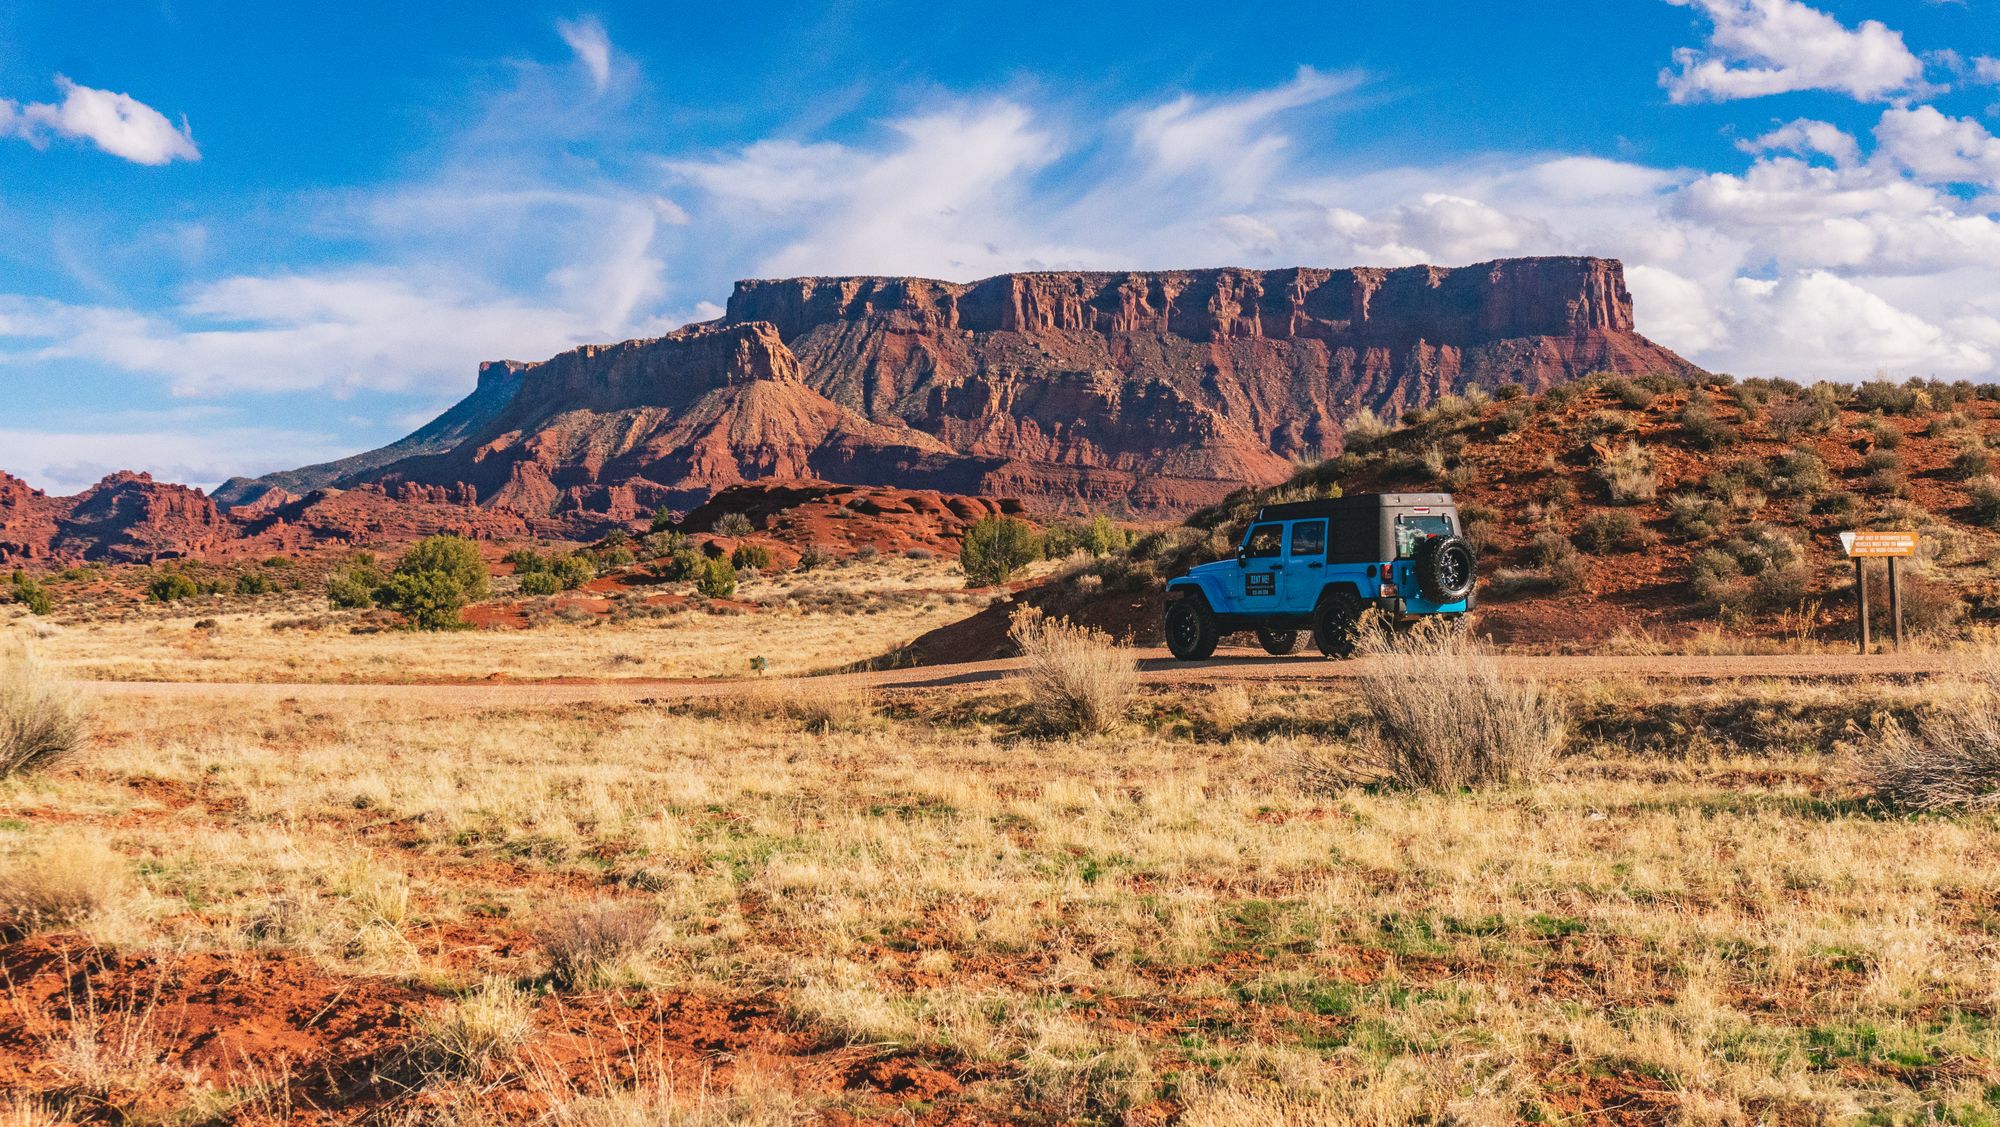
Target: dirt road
1155,666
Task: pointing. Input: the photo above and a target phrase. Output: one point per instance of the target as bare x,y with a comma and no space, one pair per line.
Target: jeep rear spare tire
1444,567
1191,629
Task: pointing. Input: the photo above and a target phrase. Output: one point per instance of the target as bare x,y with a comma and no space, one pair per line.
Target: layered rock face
126,518
1146,394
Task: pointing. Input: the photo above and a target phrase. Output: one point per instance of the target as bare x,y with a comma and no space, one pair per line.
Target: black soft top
1362,503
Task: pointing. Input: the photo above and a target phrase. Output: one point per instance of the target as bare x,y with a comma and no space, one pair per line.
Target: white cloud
587,38
1986,69
1228,137
374,330
119,124
1940,149
1760,47
945,194
1808,137
65,462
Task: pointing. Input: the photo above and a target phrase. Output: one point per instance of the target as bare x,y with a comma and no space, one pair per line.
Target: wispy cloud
119,124
586,36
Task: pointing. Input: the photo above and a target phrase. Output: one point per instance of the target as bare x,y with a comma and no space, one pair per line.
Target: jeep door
1263,566
1305,566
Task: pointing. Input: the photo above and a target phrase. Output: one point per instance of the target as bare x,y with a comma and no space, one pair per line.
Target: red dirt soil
326,1048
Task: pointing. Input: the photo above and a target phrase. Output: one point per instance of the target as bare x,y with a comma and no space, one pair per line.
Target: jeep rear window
1309,538
1414,530
1264,541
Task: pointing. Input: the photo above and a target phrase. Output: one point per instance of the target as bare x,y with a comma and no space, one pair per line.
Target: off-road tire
1278,642
1191,629
1337,623
1445,567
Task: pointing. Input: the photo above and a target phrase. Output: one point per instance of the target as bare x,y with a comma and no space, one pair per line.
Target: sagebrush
1078,678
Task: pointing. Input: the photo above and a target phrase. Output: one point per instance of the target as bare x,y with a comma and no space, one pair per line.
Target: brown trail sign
1864,546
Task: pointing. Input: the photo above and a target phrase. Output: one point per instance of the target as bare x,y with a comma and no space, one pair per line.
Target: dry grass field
774,907
797,622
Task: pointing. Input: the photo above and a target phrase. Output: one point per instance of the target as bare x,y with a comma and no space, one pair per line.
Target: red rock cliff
1147,393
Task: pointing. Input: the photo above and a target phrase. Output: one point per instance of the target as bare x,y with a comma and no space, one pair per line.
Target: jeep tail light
1388,590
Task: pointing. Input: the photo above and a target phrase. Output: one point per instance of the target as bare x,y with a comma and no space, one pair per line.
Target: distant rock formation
126,518
1140,394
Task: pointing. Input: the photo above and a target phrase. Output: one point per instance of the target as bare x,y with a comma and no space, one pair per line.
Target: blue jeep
1319,566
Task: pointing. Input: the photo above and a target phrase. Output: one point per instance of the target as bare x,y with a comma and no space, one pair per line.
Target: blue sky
239,238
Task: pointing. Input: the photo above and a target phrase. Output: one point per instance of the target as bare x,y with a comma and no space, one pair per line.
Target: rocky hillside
1634,513
1146,394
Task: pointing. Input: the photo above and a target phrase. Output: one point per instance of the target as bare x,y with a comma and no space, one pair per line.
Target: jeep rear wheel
1191,629
1337,623
1279,642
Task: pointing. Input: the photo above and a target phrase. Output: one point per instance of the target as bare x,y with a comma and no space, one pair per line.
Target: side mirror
1242,556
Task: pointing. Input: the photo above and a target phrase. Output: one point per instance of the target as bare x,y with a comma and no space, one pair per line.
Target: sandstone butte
1140,394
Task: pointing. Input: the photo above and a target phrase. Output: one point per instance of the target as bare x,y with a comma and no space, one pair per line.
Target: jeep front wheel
1191,629
1279,642
1337,623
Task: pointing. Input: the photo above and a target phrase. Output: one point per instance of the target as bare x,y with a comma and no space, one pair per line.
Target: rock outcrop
1146,394
126,518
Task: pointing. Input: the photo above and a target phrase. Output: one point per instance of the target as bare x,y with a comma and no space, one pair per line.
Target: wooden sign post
1892,546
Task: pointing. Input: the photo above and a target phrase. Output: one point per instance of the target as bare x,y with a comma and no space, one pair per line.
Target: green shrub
716,579
1810,413
1884,434
278,563
1638,397
735,524
250,583
31,593
1564,570
171,587
451,555
1881,395
1696,517
1700,428
1099,536
1601,423
434,581
663,520
572,571
1985,493
526,561
750,557
540,583
353,587
1839,503
1800,473
1508,392
1613,530
680,564
995,548
1716,578
1971,464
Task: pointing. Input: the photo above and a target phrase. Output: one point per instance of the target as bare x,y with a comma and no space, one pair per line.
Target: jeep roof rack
1297,510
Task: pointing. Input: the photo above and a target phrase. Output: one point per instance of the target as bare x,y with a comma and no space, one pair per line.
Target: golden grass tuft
1078,678
1444,717
1948,760
485,1027
41,725
66,880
